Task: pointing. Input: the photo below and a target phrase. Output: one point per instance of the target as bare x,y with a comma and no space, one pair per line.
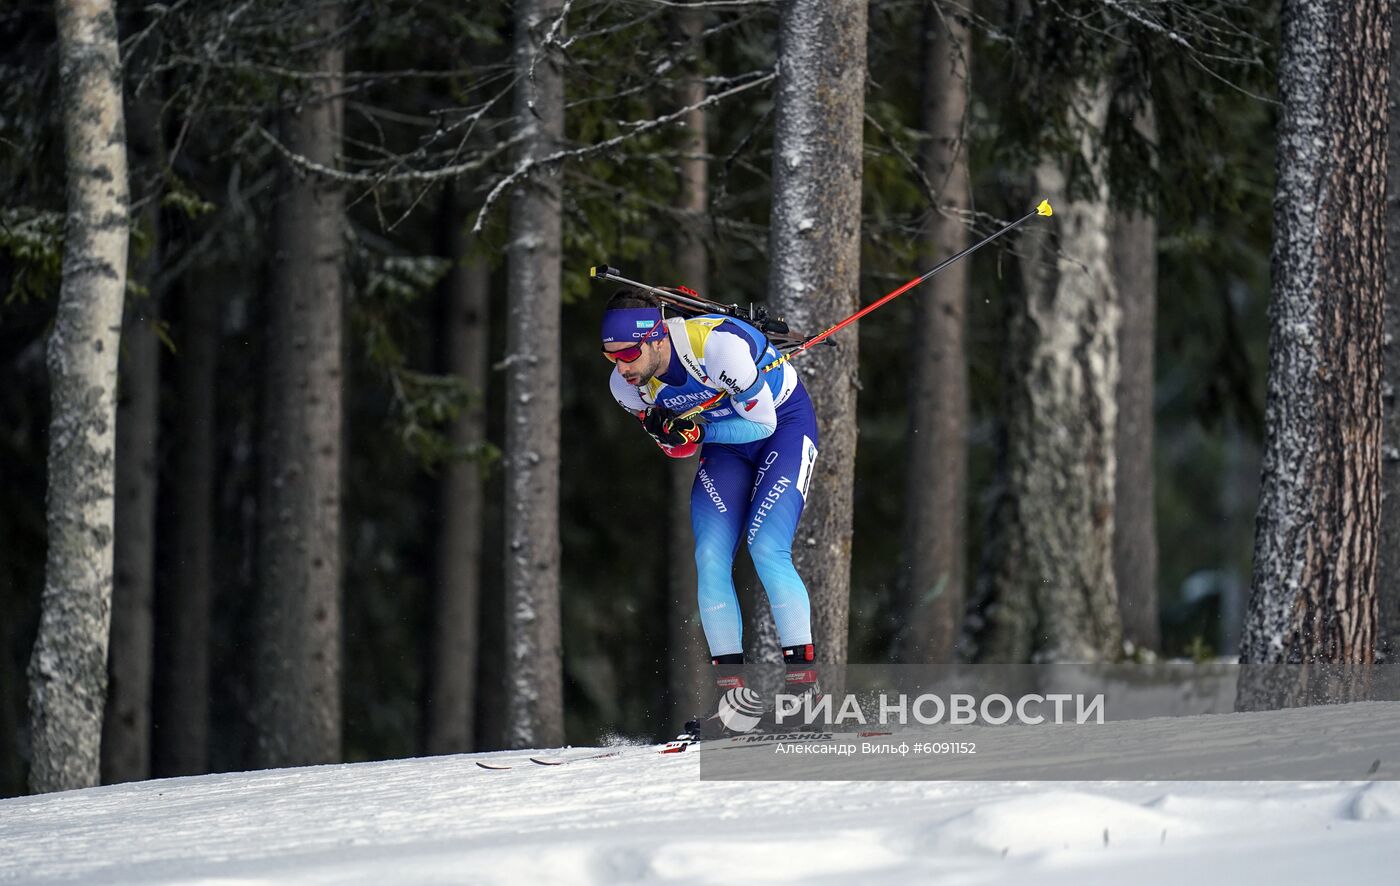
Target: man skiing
757,449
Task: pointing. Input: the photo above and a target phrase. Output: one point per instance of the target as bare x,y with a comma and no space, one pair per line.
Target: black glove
668,430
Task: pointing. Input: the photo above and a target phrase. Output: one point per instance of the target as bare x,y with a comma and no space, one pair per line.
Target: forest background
1156,122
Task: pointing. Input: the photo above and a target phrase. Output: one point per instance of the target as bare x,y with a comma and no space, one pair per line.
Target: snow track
643,817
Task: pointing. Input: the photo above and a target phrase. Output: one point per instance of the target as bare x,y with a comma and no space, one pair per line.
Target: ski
679,744
684,742
504,763
561,761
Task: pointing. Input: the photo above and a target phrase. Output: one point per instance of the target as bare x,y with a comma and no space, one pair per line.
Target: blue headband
629,324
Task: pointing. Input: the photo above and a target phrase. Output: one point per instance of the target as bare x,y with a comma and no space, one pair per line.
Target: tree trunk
126,728
814,273
1388,565
1134,521
241,421
182,742
451,709
11,690
935,512
68,667
1052,589
1313,594
689,670
298,697
534,657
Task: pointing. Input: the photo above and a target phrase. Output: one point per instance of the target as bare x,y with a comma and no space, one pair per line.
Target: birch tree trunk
689,668
534,656
1134,521
1052,589
1313,595
298,706
451,710
182,742
1388,562
126,728
814,275
935,512
68,667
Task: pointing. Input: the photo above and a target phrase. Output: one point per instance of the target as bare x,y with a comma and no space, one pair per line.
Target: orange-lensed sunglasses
631,353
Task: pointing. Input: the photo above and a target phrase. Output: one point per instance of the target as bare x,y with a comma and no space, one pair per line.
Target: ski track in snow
649,818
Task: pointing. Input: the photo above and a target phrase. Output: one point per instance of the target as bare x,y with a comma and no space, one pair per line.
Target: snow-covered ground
644,817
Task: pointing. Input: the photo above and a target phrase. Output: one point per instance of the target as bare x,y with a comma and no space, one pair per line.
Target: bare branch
550,39
176,61
380,178
701,4
529,166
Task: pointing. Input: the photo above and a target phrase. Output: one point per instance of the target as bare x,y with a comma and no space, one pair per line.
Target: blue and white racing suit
756,463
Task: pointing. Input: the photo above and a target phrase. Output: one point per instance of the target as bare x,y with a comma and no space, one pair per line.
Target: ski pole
1043,209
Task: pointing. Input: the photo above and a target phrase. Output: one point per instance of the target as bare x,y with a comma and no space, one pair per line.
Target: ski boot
739,709
799,679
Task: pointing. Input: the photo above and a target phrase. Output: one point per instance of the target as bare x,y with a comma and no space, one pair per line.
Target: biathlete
757,450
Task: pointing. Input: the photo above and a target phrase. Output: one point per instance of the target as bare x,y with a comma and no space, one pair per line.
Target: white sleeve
759,409
730,365
627,397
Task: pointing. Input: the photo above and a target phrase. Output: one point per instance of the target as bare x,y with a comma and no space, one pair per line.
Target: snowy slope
644,817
